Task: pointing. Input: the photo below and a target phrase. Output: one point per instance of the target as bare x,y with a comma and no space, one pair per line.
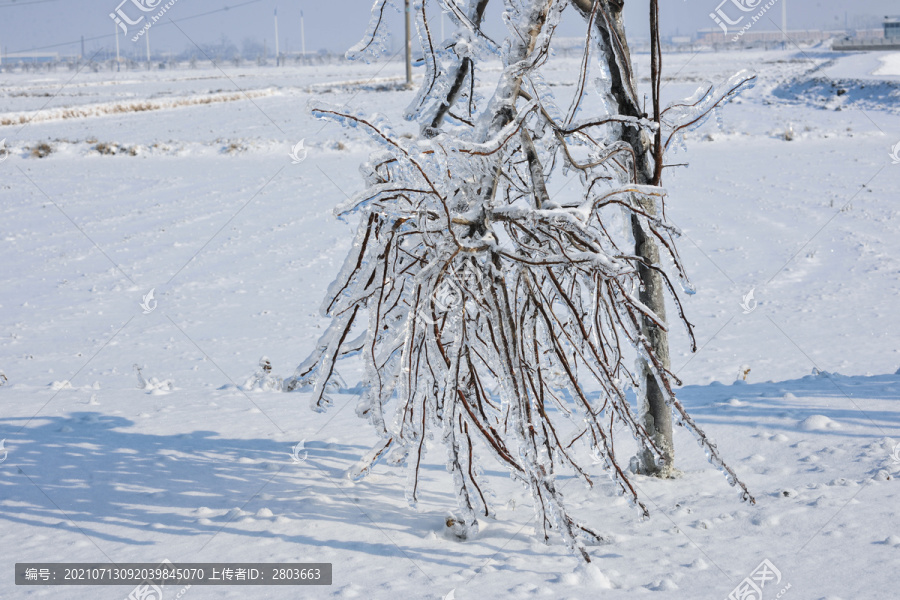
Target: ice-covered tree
503,321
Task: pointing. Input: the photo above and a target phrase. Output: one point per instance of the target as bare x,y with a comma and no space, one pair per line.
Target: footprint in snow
844,482
766,521
663,585
818,423
233,514
586,575
881,475
698,564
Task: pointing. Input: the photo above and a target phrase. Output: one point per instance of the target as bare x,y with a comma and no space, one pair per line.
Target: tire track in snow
117,108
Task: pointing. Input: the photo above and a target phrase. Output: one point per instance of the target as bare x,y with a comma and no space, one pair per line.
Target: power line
103,37
25,3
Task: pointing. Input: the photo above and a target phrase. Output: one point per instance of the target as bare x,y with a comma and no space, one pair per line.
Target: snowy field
180,181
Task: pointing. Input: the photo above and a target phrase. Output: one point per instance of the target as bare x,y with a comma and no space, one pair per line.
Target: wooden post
408,46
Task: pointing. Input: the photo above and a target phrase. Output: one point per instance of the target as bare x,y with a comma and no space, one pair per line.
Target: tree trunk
656,414
408,42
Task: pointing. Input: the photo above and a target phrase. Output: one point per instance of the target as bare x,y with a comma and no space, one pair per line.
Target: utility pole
277,52
302,35
82,48
118,64
408,47
147,35
784,22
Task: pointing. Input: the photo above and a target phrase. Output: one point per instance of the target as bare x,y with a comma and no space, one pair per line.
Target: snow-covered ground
181,182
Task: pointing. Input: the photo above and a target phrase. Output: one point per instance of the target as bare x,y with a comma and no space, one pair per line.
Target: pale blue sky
27,24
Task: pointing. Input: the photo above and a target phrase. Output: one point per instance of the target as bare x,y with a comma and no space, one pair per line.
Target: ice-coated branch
490,315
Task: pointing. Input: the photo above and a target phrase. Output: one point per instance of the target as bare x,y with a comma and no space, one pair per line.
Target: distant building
889,41
892,27
868,34
13,57
712,37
